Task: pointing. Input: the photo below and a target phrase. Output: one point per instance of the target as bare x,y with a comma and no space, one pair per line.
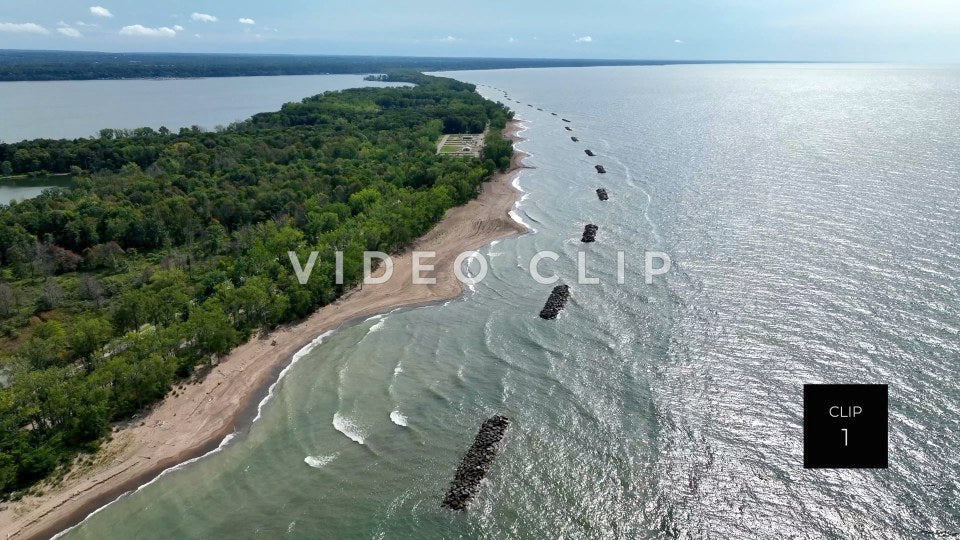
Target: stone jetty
600,169
589,233
476,463
602,194
558,298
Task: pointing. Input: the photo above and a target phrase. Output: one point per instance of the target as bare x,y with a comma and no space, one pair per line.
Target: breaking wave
347,427
398,418
319,462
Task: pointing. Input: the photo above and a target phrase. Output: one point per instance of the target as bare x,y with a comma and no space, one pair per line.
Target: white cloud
68,30
678,41
140,30
101,11
511,40
584,39
23,28
202,17
85,25
244,20
178,28
449,39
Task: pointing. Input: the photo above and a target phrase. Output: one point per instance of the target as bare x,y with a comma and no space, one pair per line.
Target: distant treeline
172,247
18,65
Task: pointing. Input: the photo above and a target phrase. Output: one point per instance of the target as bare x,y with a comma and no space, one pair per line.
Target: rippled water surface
811,213
70,109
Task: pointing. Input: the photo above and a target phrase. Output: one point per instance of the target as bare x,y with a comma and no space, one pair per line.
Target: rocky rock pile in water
589,152
600,169
574,139
558,299
568,128
589,233
602,194
476,463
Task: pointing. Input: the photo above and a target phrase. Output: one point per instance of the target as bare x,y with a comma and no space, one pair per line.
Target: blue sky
843,30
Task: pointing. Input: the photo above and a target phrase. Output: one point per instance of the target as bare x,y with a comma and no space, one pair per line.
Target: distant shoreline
33,65
203,415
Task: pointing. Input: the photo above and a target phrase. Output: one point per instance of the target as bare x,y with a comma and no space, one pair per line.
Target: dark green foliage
498,150
171,249
21,65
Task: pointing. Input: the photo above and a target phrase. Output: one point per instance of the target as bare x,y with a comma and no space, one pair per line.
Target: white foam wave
347,427
318,462
296,358
398,418
516,183
376,326
516,217
226,440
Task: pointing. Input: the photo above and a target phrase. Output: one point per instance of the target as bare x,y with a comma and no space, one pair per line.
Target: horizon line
407,56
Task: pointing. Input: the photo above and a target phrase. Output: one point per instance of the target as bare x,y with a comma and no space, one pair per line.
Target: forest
171,248
20,65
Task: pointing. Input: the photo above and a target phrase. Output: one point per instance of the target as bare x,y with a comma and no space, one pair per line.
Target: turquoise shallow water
811,215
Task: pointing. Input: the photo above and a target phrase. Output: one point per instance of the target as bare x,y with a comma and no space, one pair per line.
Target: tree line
170,249
23,65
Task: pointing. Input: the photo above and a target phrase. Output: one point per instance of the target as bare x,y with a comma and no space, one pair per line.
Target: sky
922,31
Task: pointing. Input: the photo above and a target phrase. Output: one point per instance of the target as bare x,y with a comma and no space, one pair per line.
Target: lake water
25,188
811,213
70,109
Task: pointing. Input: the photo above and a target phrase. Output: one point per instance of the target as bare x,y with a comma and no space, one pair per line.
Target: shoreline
231,395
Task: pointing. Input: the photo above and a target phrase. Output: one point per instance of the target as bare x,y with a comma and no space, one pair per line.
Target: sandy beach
198,418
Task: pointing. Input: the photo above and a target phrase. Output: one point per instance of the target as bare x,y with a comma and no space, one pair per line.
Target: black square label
844,426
